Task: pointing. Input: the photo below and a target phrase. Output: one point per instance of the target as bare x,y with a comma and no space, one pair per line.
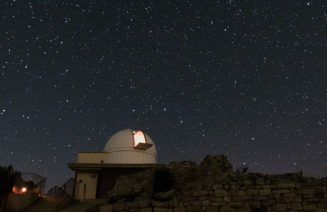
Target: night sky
246,79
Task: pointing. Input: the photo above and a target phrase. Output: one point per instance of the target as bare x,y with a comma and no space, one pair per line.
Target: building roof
98,166
128,139
124,147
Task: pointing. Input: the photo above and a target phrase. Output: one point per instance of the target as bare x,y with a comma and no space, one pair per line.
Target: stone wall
214,186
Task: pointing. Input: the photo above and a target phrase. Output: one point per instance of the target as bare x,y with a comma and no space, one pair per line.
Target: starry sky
246,79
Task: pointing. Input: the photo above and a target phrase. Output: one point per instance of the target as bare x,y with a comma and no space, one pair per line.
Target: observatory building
126,152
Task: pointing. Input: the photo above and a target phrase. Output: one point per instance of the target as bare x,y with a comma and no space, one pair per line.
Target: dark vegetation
30,185
8,177
243,169
163,180
126,197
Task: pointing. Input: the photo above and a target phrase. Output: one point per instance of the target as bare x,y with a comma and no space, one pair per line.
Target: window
140,141
138,137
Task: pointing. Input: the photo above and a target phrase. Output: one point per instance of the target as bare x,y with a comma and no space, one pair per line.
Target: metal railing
65,190
38,180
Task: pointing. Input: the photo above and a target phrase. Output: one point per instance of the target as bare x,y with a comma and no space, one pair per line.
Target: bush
30,185
126,197
242,169
7,179
163,180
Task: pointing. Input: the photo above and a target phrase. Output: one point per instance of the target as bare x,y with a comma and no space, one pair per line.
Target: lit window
140,141
138,137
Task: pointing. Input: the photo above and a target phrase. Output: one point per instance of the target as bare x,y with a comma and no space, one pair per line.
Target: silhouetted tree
7,180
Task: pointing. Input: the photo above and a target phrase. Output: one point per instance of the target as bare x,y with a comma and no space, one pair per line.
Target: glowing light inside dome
138,137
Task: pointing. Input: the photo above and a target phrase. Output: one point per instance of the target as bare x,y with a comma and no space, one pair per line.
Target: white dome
131,146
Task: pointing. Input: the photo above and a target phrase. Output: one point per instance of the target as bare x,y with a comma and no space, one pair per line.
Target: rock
259,181
235,204
279,207
252,191
179,209
220,193
246,208
241,193
193,209
130,187
157,209
285,185
159,204
119,206
215,164
280,191
265,192
309,207
217,188
106,208
164,196
297,206
322,204
268,202
206,203
309,191
146,209
225,209
210,209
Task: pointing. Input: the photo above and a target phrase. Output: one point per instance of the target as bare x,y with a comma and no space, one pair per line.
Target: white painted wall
92,157
121,149
86,185
127,156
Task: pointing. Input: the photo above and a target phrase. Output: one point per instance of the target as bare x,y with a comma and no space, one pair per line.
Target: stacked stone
136,185
213,186
268,193
216,165
185,171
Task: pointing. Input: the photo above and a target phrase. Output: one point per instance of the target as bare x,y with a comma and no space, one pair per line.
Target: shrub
242,169
163,180
127,197
7,179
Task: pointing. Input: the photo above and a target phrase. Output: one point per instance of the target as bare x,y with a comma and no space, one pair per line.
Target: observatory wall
214,186
85,187
131,157
92,157
121,148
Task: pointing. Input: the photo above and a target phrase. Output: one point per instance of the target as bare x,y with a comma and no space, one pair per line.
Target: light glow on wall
24,189
14,189
21,190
